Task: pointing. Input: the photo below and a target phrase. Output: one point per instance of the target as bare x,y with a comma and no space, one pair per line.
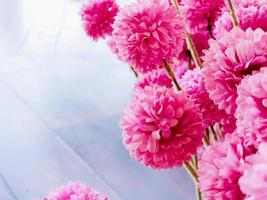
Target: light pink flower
251,13
192,82
251,110
254,181
228,60
200,16
75,191
156,76
147,32
220,167
98,17
161,128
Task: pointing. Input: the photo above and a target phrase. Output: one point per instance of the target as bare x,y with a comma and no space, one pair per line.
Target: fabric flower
161,128
221,166
200,16
75,191
147,32
98,17
157,76
254,181
192,82
251,110
251,13
228,60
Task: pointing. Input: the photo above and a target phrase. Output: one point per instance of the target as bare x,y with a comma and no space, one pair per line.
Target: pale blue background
61,96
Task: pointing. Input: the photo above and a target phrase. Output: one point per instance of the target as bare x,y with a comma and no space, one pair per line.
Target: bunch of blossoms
211,119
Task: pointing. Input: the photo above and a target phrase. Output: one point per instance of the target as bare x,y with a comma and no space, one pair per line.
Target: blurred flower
192,82
254,181
75,191
251,13
156,76
251,110
147,32
228,60
161,128
220,167
98,17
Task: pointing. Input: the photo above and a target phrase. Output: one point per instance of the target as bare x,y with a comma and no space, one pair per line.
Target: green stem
233,13
171,74
191,171
190,43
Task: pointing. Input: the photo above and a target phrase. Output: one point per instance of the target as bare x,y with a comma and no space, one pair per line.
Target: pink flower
75,191
230,58
220,167
251,13
157,76
254,181
147,32
161,128
251,110
98,17
200,16
192,82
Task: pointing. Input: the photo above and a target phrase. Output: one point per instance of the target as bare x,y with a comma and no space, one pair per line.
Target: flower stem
199,196
233,13
214,134
171,74
135,73
190,43
191,171
191,46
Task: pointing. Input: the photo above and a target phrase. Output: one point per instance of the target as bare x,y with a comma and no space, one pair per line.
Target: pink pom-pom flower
251,110
251,13
146,32
228,60
75,191
221,166
156,76
161,128
192,82
253,183
98,17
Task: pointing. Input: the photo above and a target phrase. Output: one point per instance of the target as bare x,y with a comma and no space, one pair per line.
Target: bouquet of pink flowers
200,98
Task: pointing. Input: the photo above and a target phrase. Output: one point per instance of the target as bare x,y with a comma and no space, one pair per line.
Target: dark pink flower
98,17
251,110
75,191
229,59
161,128
254,181
147,32
221,166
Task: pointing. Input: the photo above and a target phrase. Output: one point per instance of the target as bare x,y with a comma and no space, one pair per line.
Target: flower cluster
213,111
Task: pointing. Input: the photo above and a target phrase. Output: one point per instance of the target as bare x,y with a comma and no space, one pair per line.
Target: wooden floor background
61,97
